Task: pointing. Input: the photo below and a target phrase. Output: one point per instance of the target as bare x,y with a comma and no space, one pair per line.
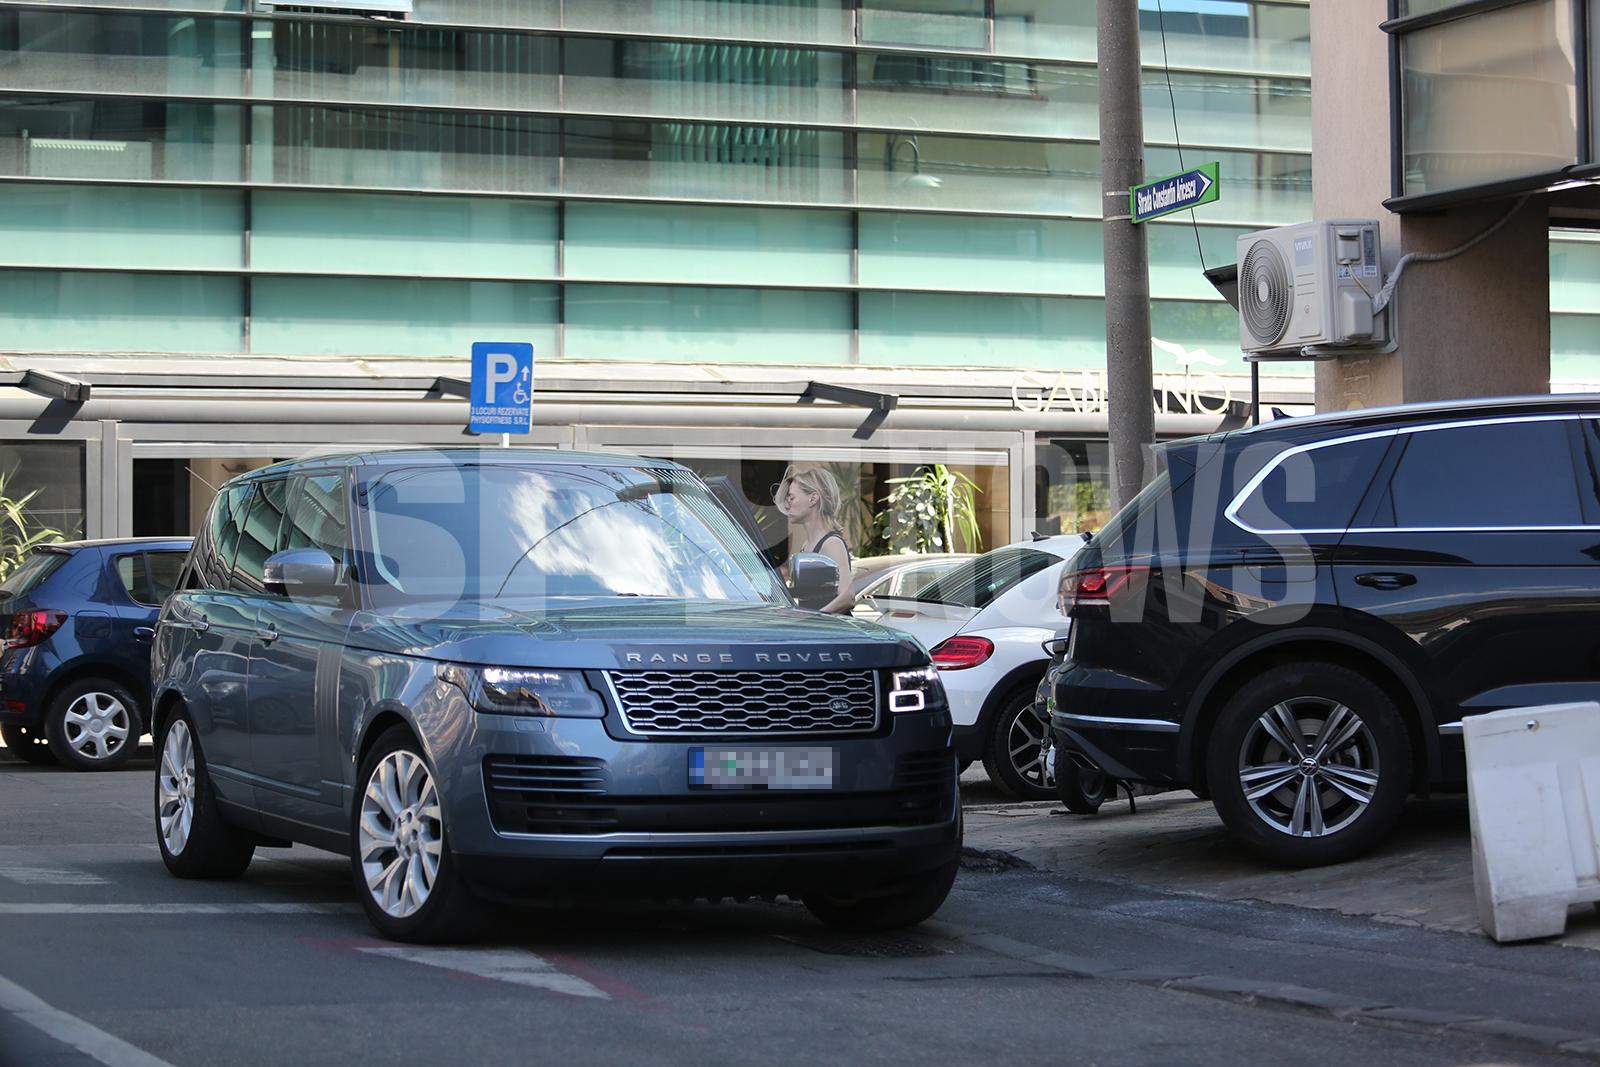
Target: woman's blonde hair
815,478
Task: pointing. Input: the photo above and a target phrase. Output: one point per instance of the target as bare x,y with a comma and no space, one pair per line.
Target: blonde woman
809,497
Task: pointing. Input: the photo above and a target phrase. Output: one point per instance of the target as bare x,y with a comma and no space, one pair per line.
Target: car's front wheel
27,745
1018,755
1309,764
404,872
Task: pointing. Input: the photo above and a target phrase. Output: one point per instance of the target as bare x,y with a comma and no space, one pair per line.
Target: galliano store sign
1085,392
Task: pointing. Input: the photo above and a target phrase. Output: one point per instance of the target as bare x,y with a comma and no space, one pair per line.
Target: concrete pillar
1477,325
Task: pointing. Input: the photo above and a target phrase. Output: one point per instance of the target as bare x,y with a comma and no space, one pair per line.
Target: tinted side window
318,516
213,553
975,583
258,535
1514,474
1318,489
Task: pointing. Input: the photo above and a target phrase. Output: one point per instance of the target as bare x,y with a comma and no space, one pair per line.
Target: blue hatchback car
78,619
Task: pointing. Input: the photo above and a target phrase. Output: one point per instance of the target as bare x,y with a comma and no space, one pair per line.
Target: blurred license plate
761,768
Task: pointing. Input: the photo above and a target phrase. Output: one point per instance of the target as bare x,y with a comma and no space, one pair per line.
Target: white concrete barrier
1534,796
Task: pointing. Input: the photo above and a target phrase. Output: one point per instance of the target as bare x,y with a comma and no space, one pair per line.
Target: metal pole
1255,392
1128,377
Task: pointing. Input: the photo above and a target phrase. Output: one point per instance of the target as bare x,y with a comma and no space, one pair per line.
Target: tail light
29,628
959,653
1095,586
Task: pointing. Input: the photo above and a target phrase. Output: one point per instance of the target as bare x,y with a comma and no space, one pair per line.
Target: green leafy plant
19,534
932,510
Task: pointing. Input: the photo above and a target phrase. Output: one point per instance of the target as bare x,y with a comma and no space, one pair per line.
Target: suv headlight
526,691
918,689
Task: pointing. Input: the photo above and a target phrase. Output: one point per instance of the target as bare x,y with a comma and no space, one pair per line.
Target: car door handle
144,633
266,634
1386,580
200,625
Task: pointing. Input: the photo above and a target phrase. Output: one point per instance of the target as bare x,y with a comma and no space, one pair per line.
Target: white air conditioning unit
1310,284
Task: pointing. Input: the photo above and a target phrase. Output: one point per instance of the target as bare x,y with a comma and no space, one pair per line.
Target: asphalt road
106,959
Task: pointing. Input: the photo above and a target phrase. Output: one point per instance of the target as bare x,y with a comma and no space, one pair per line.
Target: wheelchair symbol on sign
521,395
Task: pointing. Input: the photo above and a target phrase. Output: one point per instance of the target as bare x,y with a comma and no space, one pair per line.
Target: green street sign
1177,192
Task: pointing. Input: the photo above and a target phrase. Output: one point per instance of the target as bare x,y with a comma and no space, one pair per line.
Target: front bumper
619,814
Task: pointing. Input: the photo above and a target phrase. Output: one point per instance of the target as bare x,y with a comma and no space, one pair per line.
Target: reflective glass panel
1229,35
52,311
706,325
1489,97
120,140
404,149
361,233
651,242
696,160
705,80
393,317
53,472
935,23
120,226
364,62
992,96
72,51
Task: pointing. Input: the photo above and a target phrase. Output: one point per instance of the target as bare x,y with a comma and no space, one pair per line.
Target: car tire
1016,724
1335,745
27,745
1081,785
396,824
889,911
93,724
195,840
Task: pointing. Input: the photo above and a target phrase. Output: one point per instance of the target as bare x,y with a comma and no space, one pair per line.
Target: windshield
485,532
974,583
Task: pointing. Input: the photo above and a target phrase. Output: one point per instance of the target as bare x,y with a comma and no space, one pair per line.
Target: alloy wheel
96,725
1308,767
1031,749
400,834
176,783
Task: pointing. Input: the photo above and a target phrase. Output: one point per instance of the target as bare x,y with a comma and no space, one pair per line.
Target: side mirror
301,571
813,579
1056,647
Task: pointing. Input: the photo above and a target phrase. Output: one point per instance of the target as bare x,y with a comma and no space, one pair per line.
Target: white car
984,623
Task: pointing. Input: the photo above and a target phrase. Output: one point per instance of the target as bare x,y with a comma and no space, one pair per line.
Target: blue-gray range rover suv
502,674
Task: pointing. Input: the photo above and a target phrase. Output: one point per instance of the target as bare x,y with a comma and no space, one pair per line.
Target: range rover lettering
506,674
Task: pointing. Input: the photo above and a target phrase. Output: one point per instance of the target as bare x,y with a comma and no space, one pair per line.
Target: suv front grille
685,703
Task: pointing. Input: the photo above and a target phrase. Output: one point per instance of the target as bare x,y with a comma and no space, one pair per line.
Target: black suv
1295,618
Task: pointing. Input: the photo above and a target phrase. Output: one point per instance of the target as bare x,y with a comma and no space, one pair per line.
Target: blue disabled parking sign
502,387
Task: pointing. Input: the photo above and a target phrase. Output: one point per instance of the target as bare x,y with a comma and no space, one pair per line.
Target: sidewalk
1421,877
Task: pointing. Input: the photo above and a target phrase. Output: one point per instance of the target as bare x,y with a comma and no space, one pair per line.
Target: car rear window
33,570
975,583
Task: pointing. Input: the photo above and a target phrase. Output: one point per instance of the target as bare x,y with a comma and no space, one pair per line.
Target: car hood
623,633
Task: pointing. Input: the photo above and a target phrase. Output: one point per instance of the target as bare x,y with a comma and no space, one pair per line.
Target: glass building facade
889,182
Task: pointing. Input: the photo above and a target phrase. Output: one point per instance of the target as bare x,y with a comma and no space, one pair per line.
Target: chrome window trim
1231,512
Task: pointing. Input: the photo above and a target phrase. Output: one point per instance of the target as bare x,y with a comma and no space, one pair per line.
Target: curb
1281,995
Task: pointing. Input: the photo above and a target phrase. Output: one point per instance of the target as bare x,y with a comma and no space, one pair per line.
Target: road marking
171,908
51,876
71,1030
501,965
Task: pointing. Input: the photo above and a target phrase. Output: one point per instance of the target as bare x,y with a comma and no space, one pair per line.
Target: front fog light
526,691
917,690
